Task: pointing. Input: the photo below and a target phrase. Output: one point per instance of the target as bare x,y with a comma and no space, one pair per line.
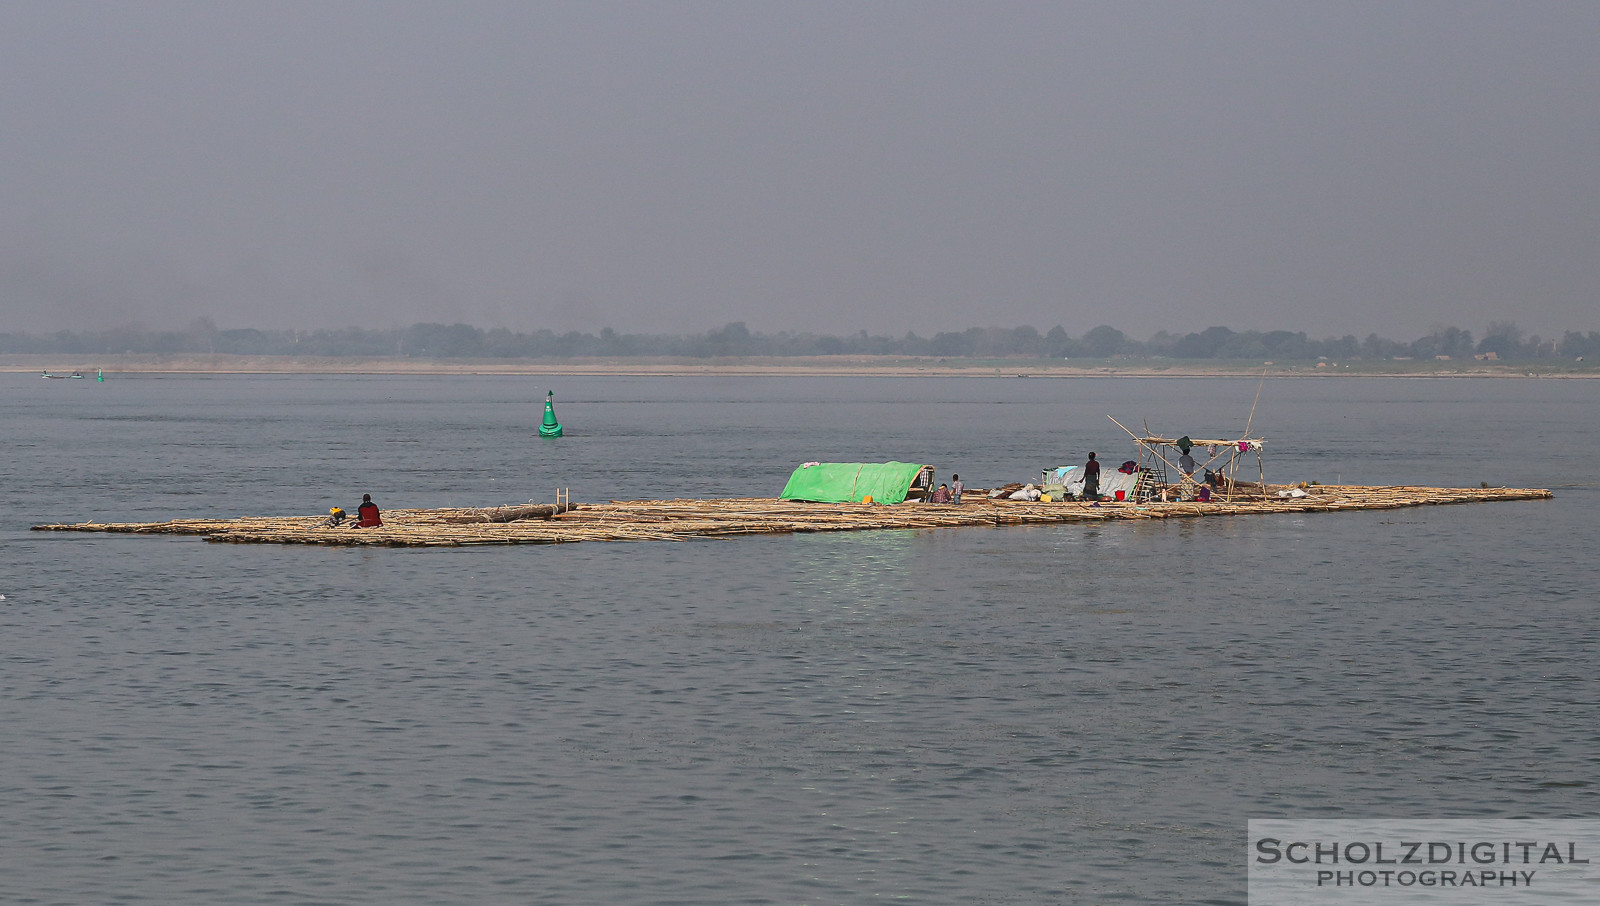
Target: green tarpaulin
849,482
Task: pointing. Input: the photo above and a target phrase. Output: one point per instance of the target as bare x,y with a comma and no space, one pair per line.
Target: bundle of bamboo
677,520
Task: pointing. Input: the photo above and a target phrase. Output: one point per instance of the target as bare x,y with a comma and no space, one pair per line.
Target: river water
1056,714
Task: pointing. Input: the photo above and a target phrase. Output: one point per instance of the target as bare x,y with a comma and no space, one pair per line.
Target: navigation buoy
551,427
100,375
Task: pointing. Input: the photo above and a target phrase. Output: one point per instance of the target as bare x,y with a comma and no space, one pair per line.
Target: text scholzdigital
1270,850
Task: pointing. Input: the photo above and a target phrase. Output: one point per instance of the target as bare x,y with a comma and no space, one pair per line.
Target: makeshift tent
1071,479
850,482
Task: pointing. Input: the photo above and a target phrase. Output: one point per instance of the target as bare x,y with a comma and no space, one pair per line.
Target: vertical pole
1262,466
1138,468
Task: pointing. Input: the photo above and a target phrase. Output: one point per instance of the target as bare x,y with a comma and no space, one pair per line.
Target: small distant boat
76,375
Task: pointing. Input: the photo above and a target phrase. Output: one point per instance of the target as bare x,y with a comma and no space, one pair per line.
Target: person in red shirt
1091,479
367,513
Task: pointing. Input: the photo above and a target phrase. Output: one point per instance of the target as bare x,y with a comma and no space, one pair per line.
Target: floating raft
682,520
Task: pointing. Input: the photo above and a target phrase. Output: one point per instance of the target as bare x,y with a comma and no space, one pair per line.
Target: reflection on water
856,573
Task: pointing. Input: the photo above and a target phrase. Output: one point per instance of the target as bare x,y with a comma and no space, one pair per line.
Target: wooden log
506,513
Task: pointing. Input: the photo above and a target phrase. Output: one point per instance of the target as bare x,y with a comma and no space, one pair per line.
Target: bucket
1122,495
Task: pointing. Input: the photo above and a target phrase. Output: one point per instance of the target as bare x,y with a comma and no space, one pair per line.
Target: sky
826,167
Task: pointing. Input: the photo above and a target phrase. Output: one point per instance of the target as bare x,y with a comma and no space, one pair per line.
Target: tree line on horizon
1503,340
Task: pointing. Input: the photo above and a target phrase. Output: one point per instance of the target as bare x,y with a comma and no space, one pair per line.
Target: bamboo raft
682,520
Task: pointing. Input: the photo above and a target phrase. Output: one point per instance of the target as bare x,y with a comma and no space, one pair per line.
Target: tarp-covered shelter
1070,480
851,482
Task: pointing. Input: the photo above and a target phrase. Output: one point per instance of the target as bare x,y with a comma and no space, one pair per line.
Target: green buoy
100,375
551,427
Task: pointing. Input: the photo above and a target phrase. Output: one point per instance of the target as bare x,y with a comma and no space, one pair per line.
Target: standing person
1186,463
367,513
1091,479
956,487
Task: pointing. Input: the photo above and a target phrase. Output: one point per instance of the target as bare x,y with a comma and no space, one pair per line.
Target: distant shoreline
800,366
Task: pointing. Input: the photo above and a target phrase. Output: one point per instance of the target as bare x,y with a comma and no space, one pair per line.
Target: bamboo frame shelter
1155,450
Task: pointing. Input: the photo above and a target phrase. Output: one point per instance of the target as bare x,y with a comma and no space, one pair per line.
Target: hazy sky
830,167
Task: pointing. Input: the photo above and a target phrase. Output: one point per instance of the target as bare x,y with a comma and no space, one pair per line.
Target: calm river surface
1072,714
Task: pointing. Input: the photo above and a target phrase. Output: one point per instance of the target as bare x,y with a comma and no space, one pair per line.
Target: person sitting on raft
942,495
367,513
